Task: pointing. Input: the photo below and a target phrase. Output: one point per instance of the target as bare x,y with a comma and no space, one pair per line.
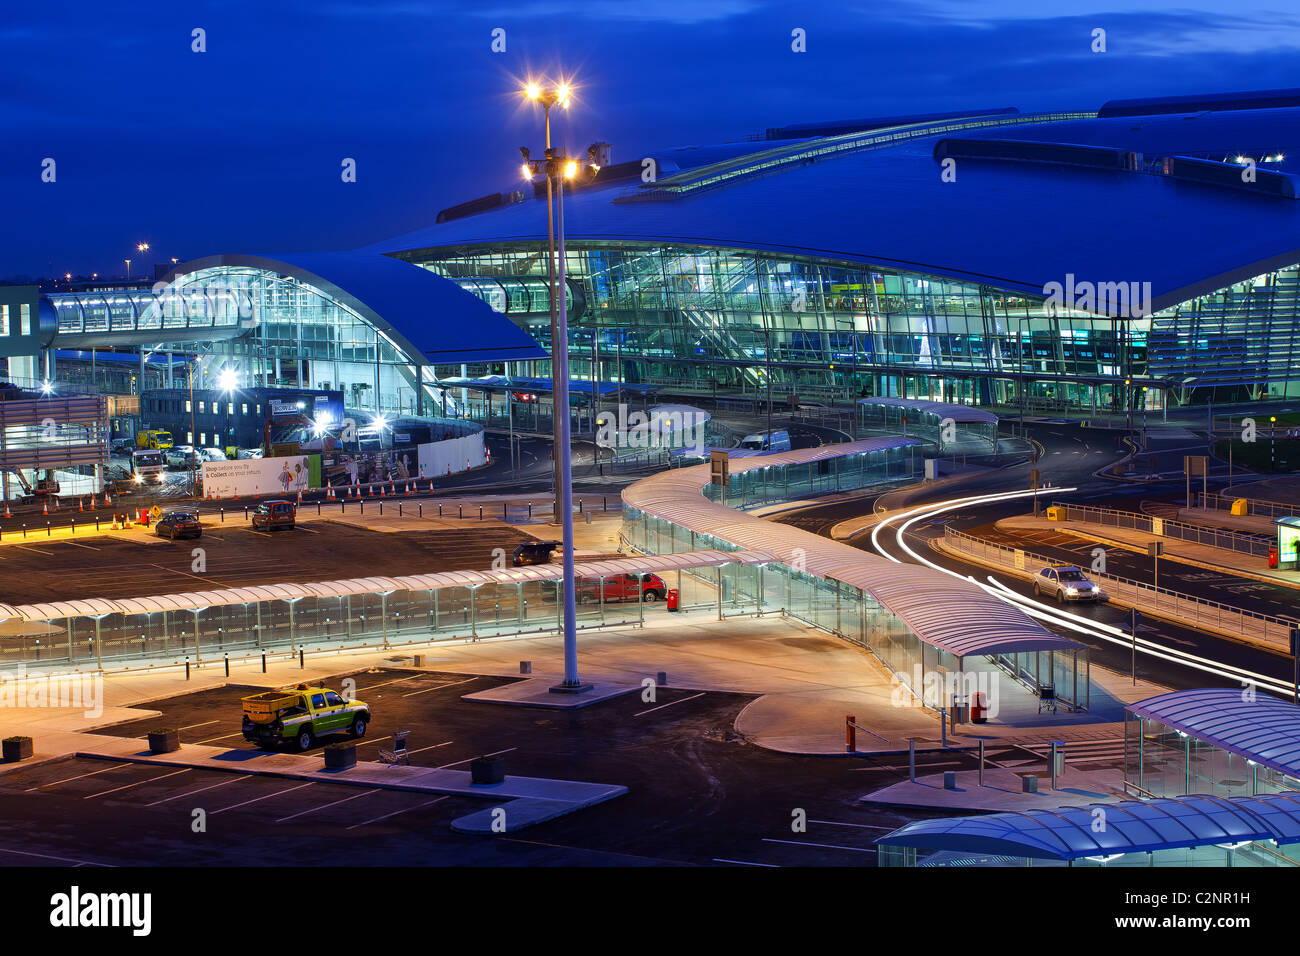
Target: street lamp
128,269
557,168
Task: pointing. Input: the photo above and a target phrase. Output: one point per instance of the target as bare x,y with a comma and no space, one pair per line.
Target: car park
270,515
178,524
1065,583
621,587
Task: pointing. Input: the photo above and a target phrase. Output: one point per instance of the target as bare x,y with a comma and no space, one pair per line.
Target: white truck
147,466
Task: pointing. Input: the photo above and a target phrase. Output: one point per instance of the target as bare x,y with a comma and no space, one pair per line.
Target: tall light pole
557,168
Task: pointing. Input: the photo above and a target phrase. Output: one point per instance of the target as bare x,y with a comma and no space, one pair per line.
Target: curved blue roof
423,313
1105,829
1265,730
885,203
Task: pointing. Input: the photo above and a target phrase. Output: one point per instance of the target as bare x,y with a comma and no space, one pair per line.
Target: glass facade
712,319
1160,761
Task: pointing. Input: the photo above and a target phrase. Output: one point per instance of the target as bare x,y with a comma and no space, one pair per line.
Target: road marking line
226,737
774,866
77,544
199,790
78,777
23,547
204,724
828,846
265,797
372,740
468,759
61,859
104,793
396,680
669,704
328,805
440,687
862,826
396,812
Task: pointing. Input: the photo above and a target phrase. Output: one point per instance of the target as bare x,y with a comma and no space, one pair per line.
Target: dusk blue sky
239,149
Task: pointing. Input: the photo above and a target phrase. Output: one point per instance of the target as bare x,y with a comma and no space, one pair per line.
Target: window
4,319
25,313
333,699
202,407
189,406
243,408
189,438
318,700
230,408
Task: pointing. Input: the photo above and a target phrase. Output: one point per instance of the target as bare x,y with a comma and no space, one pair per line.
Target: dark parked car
270,515
178,524
535,552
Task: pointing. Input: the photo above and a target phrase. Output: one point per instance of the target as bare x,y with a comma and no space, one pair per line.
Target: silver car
1066,583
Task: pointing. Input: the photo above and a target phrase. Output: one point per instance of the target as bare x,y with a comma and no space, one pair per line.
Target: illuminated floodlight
228,379
47,387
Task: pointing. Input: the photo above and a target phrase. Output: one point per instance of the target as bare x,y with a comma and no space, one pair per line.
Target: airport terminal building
1139,255
991,258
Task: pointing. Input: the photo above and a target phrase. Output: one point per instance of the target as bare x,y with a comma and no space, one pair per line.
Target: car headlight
1071,590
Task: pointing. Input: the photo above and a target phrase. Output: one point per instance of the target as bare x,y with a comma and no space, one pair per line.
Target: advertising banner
256,476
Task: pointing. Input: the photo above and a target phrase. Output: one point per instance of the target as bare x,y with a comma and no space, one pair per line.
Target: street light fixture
557,167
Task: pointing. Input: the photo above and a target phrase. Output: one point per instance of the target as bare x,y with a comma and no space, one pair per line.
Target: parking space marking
60,859
419,806
440,687
326,806
23,547
204,724
77,544
78,777
104,793
431,747
774,866
373,740
468,759
669,704
264,797
827,846
226,737
210,581
398,680
199,790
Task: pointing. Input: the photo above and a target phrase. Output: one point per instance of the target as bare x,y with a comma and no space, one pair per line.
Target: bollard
460,511
981,763
530,511
579,506
525,667
302,661
96,522
363,507
911,759
480,512
318,509
47,529
943,728
263,662
505,515
604,503
399,510
850,735
1058,760
950,780
381,507
439,510
662,678
227,665
223,515
420,508
187,668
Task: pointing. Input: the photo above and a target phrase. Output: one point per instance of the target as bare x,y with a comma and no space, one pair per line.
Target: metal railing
1242,542
1186,608
1263,509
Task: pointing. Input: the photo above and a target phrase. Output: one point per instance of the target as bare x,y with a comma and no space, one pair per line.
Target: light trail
1057,617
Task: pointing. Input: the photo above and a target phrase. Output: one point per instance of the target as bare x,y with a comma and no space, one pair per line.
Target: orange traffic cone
381,491
7,514
45,508
408,487
300,499
108,502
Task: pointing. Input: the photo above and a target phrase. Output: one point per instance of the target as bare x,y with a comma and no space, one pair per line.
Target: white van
767,441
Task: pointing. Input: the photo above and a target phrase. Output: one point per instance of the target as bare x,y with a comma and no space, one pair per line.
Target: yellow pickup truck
301,715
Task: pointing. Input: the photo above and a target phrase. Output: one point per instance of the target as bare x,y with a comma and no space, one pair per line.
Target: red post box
672,599
979,710
144,516
1272,557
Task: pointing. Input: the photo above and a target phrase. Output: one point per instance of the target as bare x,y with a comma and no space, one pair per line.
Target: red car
622,587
